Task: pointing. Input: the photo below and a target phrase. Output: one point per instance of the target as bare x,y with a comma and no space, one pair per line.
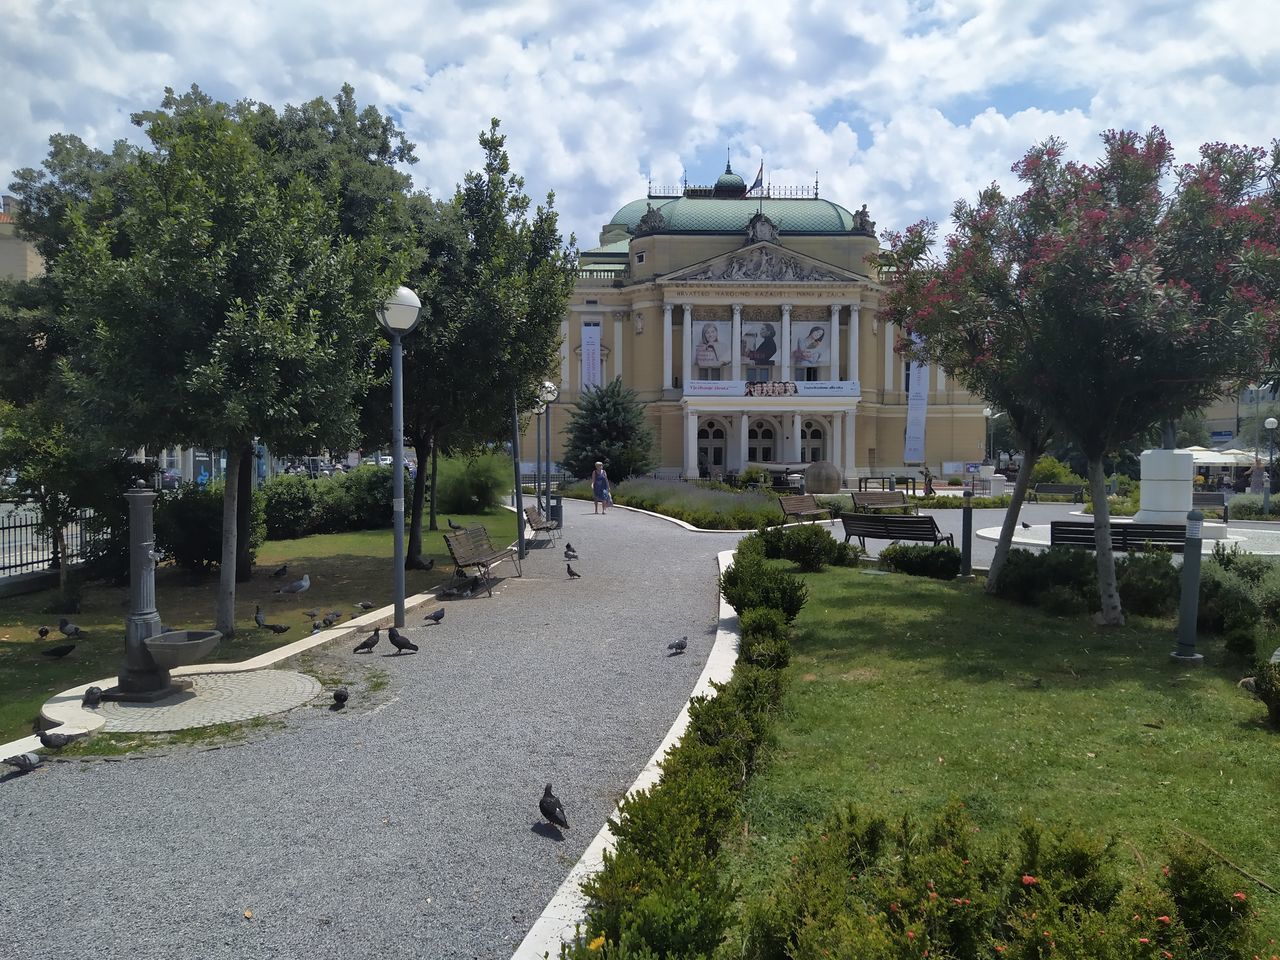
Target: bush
752,583
1266,682
188,525
957,503
754,475
1027,576
357,500
472,484
1051,470
809,546
1250,567
1227,607
940,562
765,641
706,505
1268,596
1062,601
1149,583
1248,506
290,506
847,554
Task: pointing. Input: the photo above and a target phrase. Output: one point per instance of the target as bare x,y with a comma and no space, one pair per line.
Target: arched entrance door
763,439
813,441
711,448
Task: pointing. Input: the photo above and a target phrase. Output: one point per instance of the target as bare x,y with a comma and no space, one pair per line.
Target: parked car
169,479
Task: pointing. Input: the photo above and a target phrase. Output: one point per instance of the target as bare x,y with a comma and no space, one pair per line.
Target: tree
219,306
1133,304
608,424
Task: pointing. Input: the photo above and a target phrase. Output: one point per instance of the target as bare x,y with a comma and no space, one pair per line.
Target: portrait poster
712,344
760,343
917,411
590,355
810,344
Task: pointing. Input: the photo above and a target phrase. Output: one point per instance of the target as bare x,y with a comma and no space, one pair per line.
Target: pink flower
1028,880
1239,895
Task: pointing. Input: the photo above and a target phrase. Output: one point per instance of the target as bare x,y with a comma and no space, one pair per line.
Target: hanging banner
917,408
590,355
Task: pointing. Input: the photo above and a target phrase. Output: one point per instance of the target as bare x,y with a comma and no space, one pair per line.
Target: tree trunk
435,463
225,616
1029,458
414,553
1112,614
244,515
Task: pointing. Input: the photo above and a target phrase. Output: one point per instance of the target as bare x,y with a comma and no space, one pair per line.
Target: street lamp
986,412
1270,423
548,394
398,315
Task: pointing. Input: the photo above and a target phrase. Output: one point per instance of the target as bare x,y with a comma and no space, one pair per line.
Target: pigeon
552,809
334,615
678,645
569,548
43,631
316,628
435,617
56,741
61,650
455,526
277,628
25,762
400,642
573,574
364,604
340,697
311,614
569,554
258,618
92,696
281,570
69,629
368,643
1250,684
1025,525
298,586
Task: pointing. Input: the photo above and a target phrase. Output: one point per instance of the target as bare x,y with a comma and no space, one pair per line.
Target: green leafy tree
219,306
608,424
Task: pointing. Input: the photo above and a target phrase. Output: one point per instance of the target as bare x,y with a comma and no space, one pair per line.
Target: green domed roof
729,184
721,215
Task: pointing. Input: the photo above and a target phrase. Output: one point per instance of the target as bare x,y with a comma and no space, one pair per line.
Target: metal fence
25,547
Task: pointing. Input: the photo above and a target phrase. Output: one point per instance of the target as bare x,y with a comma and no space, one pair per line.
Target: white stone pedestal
1166,486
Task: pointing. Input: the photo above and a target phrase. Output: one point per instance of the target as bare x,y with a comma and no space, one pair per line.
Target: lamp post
986,413
1271,423
398,316
548,394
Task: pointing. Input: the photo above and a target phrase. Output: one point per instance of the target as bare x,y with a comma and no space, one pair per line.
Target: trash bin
555,509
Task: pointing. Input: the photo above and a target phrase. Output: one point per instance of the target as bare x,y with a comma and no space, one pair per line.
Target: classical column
795,437
850,438
743,426
666,346
188,459
690,444
942,380
737,341
835,450
617,343
785,346
564,355
834,372
889,356
686,338
855,332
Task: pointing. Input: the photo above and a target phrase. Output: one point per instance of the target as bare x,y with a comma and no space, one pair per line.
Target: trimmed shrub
188,525
1227,607
711,506
1027,576
754,475
957,503
1062,601
847,554
1250,567
917,560
290,506
809,546
1268,595
752,583
357,500
1051,470
1149,583
1267,687
765,641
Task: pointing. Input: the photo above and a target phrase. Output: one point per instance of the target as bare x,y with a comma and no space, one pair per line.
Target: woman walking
600,488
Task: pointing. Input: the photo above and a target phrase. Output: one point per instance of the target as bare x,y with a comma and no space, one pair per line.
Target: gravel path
404,826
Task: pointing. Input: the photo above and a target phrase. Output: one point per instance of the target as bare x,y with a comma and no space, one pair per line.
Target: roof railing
769,192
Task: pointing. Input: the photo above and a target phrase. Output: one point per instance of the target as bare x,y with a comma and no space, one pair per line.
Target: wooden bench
882,483
1073,490
540,523
879,526
882,500
1125,537
1212,500
471,548
800,506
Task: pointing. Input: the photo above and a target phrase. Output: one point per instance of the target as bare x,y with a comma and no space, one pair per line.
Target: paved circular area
214,698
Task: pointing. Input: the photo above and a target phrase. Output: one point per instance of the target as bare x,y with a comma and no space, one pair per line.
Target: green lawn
906,692
344,568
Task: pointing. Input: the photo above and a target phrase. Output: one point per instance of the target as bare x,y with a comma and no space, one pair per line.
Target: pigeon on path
573,574
436,616
258,618
277,628
551,808
43,632
400,642
364,604
569,547
368,643
1025,525
92,696
678,645
61,650
69,629
25,762
280,571
569,554
455,526
56,741
340,698
298,586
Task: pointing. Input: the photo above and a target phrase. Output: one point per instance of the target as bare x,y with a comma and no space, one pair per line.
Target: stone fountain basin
177,648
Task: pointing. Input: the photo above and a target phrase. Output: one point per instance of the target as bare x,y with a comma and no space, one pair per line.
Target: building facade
749,327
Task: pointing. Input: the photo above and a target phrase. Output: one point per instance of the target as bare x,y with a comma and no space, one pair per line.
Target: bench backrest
534,515
799,503
1060,488
878,498
1215,499
1124,536
467,545
892,526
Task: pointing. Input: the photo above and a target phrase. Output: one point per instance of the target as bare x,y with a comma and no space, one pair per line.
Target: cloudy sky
904,105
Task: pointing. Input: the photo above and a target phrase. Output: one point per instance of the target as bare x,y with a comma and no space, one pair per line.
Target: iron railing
26,547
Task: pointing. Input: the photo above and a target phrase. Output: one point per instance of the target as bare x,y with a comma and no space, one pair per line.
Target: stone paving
214,698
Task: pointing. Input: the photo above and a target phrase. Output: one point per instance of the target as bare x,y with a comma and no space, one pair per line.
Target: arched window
760,441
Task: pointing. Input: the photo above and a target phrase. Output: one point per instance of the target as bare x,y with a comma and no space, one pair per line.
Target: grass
905,692
344,568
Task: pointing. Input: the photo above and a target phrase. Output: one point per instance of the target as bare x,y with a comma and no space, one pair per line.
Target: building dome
729,184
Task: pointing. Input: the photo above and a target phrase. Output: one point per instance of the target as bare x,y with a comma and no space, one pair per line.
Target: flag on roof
759,181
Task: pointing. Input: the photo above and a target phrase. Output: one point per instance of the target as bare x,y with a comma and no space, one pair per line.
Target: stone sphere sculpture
822,477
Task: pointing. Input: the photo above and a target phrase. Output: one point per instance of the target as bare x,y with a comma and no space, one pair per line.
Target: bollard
893,484
966,538
1190,607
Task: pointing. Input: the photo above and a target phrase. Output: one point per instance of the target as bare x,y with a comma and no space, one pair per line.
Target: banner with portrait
760,344
590,355
712,344
917,410
810,344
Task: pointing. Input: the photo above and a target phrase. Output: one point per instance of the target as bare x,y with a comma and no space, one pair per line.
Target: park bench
884,483
1073,490
800,506
471,548
1212,500
1125,537
879,526
866,502
540,523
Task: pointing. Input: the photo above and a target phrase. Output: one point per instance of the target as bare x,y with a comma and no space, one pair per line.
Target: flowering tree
1113,296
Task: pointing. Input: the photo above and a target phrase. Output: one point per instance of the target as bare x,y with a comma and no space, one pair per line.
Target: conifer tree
608,424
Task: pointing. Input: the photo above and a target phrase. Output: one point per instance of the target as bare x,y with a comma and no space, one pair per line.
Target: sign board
772,388
953,466
1221,436
972,466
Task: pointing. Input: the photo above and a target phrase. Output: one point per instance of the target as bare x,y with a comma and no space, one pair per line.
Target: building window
810,373
708,373
812,442
711,449
759,374
760,439
640,256
906,377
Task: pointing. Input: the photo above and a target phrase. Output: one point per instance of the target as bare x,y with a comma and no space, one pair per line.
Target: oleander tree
1135,291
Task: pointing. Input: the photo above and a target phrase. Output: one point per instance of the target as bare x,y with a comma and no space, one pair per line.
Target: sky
903,105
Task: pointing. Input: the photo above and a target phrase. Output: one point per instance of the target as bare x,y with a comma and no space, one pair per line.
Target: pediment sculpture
764,264
761,228
652,222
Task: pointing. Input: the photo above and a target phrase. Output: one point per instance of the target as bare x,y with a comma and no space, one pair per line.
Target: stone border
567,910
692,529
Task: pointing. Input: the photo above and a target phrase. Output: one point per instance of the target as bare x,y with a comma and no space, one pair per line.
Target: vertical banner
917,408
809,346
590,355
